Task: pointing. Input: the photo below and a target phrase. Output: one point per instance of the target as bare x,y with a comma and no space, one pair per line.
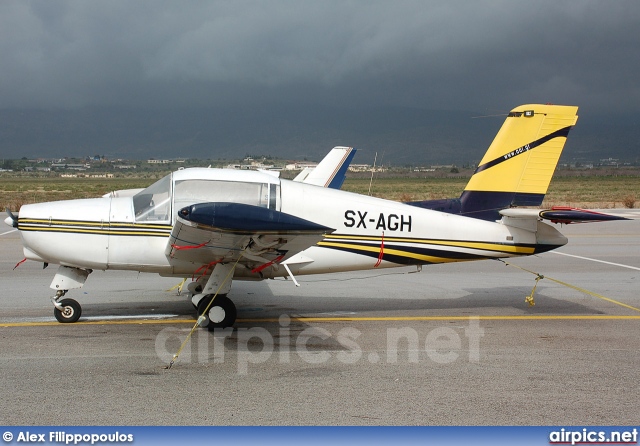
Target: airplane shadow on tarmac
262,303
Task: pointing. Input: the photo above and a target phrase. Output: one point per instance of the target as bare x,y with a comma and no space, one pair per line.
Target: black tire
223,311
70,313
204,303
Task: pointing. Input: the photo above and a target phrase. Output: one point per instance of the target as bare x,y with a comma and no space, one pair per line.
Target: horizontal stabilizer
560,214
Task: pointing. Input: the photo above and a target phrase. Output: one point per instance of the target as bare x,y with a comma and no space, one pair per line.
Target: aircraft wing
560,214
225,232
331,171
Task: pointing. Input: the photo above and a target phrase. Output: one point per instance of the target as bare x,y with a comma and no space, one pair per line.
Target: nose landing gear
66,310
67,278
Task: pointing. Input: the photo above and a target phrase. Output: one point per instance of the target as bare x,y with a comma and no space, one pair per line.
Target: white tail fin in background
331,171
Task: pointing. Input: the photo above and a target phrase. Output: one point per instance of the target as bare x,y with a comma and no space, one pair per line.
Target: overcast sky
462,55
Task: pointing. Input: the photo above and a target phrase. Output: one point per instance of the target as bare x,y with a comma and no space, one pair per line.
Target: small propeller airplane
221,225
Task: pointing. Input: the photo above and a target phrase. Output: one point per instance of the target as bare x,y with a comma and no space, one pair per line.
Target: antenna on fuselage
373,169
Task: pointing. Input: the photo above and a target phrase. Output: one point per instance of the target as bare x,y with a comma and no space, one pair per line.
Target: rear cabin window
188,192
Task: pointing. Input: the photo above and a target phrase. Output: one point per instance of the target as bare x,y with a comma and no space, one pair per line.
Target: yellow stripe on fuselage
95,231
90,227
43,221
396,252
486,246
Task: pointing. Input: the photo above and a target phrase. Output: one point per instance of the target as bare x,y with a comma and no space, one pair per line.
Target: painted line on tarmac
448,318
596,260
48,320
336,319
98,322
8,232
132,316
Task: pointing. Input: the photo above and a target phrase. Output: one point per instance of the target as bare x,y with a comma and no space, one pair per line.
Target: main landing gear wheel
195,288
222,313
70,312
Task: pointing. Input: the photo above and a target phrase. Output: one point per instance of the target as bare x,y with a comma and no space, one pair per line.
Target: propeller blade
14,219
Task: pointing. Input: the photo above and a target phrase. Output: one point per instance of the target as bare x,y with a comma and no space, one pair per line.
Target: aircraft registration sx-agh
219,225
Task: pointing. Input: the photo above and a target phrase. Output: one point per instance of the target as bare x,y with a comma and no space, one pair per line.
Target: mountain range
400,136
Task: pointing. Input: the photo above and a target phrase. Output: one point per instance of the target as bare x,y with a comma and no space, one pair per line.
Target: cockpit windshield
153,204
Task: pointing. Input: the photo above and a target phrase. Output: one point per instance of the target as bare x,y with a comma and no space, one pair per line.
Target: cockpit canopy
160,202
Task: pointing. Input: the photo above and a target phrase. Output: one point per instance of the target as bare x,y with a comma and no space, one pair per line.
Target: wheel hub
67,312
216,314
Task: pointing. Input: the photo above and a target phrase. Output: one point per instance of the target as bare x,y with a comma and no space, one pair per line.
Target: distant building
610,162
70,166
253,166
300,165
38,169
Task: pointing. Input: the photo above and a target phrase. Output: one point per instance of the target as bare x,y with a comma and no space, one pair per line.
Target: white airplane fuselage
217,225
368,232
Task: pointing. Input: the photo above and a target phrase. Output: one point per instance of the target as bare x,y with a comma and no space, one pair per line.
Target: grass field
16,191
588,192
596,192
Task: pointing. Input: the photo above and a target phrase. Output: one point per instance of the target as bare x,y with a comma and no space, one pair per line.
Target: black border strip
563,132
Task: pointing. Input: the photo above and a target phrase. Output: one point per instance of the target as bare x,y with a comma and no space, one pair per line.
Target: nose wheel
67,310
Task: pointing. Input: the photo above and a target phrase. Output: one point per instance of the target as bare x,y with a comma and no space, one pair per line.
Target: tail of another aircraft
331,171
519,165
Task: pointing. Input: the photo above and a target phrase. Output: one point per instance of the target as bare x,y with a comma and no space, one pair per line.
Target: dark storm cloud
454,55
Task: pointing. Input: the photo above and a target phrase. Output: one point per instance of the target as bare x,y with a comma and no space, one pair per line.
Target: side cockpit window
153,204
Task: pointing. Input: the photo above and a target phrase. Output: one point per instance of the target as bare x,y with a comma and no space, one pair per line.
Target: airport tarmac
451,345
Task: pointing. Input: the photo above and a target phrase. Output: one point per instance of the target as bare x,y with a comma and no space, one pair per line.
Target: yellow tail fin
517,168
526,150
